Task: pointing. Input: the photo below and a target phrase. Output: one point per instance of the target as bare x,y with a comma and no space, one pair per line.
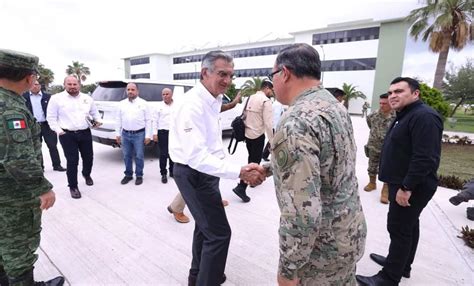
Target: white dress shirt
195,137
38,112
70,112
132,116
162,117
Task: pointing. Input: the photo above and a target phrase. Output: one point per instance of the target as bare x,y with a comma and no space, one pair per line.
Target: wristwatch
405,188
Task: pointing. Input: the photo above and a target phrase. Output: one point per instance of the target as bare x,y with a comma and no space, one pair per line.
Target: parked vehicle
108,94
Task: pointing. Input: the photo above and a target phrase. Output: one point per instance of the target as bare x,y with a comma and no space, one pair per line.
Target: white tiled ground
123,235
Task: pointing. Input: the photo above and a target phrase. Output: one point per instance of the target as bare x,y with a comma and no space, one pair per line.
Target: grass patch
465,123
457,160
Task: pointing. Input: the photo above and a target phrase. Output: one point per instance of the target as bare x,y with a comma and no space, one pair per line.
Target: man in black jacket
37,102
409,162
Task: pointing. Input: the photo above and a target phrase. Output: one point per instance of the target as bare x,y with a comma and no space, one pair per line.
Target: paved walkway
123,235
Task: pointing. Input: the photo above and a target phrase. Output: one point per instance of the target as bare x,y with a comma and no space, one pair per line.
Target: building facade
366,54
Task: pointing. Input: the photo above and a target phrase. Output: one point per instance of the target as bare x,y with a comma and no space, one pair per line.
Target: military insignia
16,124
282,157
19,136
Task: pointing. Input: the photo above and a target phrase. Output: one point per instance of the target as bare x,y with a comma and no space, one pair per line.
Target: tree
46,76
446,24
232,91
55,89
78,70
459,85
435,99
251,86
88,88
351,92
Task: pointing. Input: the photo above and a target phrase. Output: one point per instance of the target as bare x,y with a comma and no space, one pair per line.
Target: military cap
14,59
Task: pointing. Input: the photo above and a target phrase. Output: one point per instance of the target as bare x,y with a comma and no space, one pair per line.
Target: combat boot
372,185
384,194
28,280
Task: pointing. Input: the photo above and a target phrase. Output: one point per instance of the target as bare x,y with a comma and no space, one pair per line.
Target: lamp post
324,57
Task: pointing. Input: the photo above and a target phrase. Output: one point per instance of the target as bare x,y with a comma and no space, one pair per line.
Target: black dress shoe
171,175
58,281
376,280
240,192
89,180
59,168
380,260
138,181
192,280
125,180
164,179
75,194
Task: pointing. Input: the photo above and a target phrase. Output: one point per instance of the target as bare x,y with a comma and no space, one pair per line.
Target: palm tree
251,86
351,92
46,76
78,70
446,24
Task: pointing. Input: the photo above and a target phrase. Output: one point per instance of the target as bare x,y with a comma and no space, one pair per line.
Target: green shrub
451,182
434,98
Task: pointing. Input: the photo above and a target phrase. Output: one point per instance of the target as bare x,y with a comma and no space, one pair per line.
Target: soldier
378,122
24,191
322,225
365,107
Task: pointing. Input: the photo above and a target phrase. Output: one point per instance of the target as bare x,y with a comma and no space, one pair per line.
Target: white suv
108,94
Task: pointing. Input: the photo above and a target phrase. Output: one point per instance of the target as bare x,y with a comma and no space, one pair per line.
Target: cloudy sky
99,33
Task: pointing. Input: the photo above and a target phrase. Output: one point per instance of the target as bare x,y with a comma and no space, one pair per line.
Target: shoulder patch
16,123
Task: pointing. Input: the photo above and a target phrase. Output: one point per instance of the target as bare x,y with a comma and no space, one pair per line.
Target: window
346,36
140,75
139,61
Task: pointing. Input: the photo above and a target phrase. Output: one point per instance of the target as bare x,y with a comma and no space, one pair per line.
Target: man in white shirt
277,110
133,132
71,114
161,126
197,150
258,122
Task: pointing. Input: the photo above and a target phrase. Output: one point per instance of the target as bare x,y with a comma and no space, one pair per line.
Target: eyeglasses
223,74
270,76
36,75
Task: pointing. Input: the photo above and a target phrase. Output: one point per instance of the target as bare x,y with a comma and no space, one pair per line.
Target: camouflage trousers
20,230
374,159
343,275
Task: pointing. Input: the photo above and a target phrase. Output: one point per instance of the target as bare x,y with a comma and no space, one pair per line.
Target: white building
366,53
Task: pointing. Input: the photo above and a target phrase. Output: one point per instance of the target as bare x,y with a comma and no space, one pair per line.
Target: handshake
253,174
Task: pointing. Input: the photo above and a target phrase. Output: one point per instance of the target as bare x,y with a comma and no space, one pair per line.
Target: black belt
43,122
133,131
75,131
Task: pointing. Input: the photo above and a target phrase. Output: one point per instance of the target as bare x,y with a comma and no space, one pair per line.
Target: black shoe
470,213
89,180
138,181
192,280
240,192
376,280
380,260
125,180
75,194
164,179
59,168
463,196
58,281
171,175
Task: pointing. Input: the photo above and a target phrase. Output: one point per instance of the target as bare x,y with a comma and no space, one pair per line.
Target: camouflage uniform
21,178
322,225
378,124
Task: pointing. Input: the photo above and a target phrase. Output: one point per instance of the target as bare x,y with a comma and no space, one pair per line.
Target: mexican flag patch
16,124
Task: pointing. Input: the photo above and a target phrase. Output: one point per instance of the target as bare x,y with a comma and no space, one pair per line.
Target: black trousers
74,143
212,232
51,139
163,140
266,149
403,225
255,148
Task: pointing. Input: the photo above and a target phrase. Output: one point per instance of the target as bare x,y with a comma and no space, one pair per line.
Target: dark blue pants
164,155
403,225
74,143
51,139
212,232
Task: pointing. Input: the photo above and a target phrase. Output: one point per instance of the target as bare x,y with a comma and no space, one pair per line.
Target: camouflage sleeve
368,119
297,174
22,158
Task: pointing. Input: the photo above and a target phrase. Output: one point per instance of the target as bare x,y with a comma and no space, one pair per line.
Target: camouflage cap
14,59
